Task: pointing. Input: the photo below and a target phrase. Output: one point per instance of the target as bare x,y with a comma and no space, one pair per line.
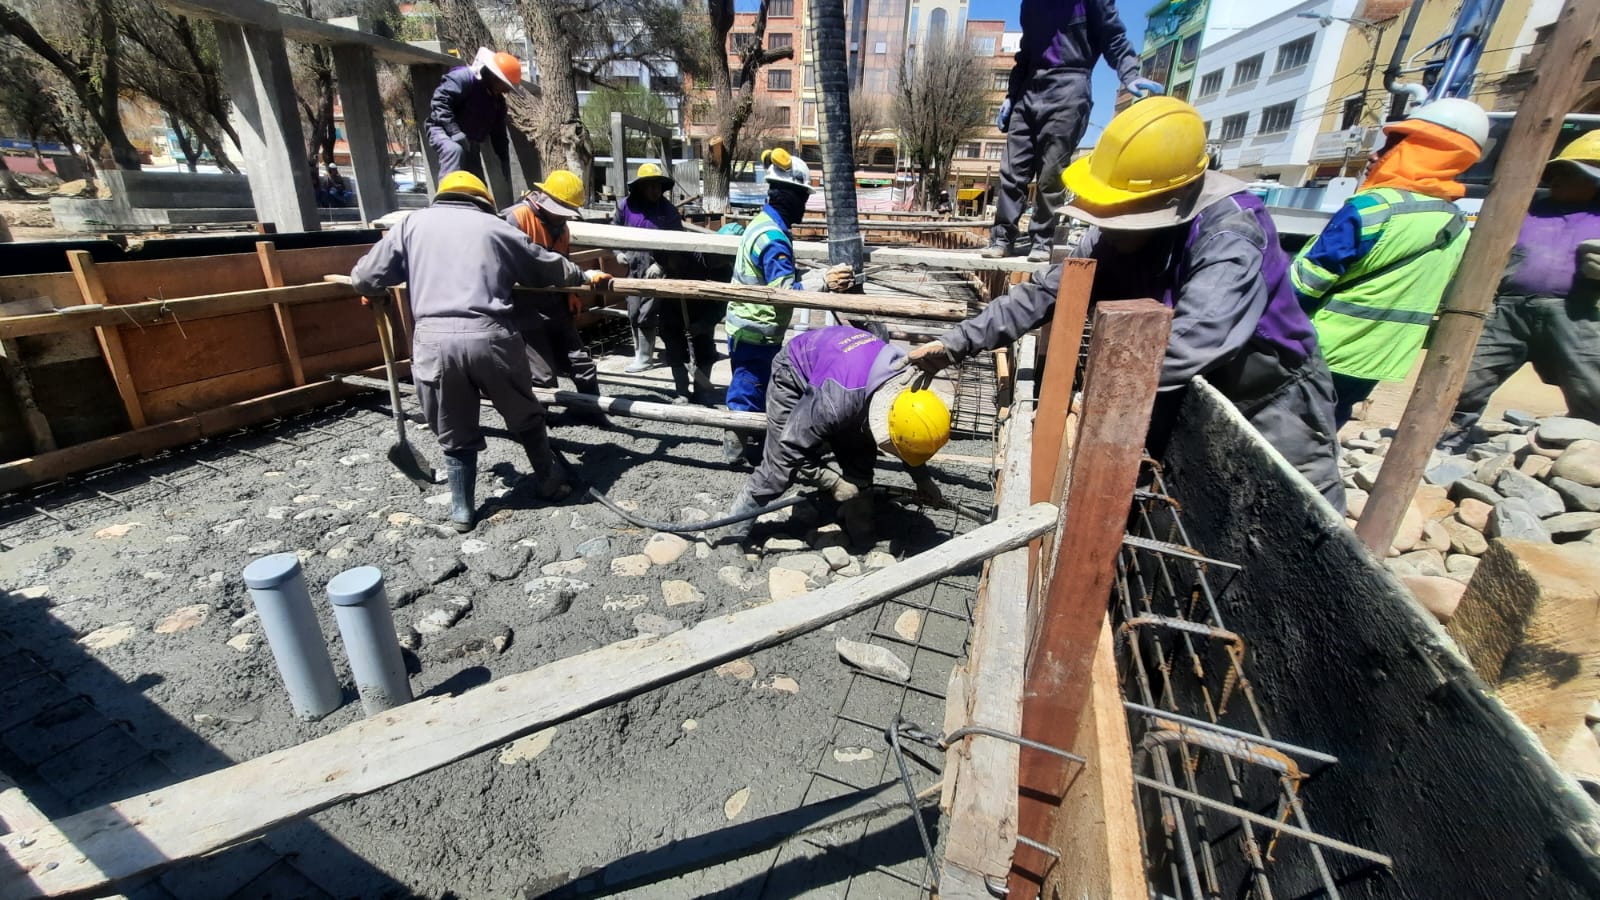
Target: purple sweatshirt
1071,34
463,105
1545,261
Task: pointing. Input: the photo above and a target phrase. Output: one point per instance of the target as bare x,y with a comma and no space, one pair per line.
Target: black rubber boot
549,475
680,384
461,470
704,392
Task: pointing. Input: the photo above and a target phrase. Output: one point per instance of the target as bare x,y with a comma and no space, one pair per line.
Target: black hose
632,519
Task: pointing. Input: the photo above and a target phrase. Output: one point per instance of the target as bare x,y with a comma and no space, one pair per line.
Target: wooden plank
981,833
722,292
272,271
59,287
89,850
1125,353
1061,362
1097,832
17,812
161,311
333,325
347,359
165,356
189,276
58,464
33,419
93,291
307,266
181,400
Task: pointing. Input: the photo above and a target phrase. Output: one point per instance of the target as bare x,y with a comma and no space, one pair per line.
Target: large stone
1474,513
1514,444
1530,624
1536,466
1559,431
1355,459
810,563
1519,418
630,566
1467,489
880,661
1535,448
1450,470
678,593
1409,534
594,548
566,567
1437,594
836,557
1367,475
1465,539
1489,470
664,549
784,584
1542,501
1355,502
1512,518
1572,525
1580,462
1435,537
1426,562
781,544
650,623
184,618
734,577
1578,497
908,624
1462,565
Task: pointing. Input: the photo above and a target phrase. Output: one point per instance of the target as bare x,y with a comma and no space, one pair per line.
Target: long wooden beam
94,848
1125,353
723,292
156,312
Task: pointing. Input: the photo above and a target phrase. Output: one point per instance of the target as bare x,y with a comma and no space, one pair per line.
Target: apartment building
976,167
776,117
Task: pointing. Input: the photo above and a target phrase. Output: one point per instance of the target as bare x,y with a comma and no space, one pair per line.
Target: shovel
401,453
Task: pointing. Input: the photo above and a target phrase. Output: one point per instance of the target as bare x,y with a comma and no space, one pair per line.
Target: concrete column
618,176
424,78
494,177
255,63
364,130
525,169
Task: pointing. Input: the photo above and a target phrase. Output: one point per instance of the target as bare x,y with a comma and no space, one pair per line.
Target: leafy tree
734,106
632,100
938,105
175,63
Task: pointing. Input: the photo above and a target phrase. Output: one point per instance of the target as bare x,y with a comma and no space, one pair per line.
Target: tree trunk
733,109
558,133
838,157
10,187
191,158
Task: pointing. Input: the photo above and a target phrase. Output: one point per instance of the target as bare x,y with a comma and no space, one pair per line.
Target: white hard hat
783,167
1461,116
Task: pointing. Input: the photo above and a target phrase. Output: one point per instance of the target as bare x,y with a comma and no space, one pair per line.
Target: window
880,47
784,115
1294,54
739,41
1206,125
780,40
938,20
780,9
1210,83
1233,127
1181,91
994,150
983,46
778,80
810,76
1247,71
993,113
1277,119
1352,112
1189,51
970,150
808,114
1002,80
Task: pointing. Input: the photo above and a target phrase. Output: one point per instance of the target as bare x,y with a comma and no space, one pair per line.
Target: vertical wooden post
1471,294
272,271
1061,363
1125,354
94,293
16,374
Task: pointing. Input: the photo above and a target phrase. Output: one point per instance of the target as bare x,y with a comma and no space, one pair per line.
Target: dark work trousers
853,449
1046,124
454,156
554,345
1348,391
642,312
456,361
692,342
1560,336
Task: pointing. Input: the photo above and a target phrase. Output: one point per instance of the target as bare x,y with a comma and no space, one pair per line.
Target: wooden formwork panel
164,279
333,325
309,265
165,356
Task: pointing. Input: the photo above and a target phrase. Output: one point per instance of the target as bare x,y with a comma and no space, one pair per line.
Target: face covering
1427,160
790,202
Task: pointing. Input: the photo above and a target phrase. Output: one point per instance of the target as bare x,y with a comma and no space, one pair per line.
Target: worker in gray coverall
1199,242
1047,107
459,260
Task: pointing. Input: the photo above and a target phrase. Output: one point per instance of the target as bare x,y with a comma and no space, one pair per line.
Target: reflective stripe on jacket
1373,317
759,323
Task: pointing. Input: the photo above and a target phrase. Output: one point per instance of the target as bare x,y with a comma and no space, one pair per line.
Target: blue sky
1105,80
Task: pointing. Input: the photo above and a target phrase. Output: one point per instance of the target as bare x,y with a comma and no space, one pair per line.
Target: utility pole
1470,297
838,157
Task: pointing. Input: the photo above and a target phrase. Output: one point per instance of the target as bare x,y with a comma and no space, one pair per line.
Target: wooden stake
16,374
94,293
1470,297
1125,354
273,272
87,851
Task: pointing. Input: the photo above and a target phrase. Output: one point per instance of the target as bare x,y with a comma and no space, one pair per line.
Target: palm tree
838,156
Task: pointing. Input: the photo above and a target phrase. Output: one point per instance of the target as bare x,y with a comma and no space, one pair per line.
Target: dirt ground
1524,391
137,616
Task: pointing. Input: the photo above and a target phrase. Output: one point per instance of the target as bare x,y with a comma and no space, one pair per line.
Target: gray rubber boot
644,345
549,475
461,470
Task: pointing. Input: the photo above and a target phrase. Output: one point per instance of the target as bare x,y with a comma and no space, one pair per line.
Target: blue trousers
752,369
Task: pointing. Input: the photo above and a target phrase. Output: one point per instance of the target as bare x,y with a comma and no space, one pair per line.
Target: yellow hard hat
1155,146
566,189
1584,149
919,424
464,182
650,172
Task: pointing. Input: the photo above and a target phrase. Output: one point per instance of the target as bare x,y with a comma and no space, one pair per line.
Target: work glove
622,257
839,278
596,278
837,486
739,532
1004,118
654,271
927,489
931,357
1589,260
1144,87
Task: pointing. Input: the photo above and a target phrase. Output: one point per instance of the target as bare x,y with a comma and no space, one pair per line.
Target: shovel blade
411,464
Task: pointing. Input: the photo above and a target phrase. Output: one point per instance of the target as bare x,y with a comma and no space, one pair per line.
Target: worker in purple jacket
1167,228
469,108
1548,308
1047,107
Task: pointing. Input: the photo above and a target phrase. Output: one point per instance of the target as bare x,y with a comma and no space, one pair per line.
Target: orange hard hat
508,67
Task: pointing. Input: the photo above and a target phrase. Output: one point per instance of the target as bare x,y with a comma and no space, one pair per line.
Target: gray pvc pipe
279,591
362,610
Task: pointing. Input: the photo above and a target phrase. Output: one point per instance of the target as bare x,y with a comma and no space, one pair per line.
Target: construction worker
459,260
469,108
1047,108
1164,226
549,324
649,206
1374,276
1548,308
844,389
